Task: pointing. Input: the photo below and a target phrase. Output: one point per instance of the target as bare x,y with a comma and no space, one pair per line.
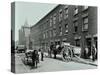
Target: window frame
60,30
76,10
75,25
51,21
85,7
54,32
84,28
54,18
66,29
60,15
66,12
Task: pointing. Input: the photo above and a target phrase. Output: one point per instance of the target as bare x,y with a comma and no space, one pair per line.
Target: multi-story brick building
76,25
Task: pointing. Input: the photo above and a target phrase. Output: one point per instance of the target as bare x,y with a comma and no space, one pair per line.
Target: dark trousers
55,53
55,56
42,56
33,62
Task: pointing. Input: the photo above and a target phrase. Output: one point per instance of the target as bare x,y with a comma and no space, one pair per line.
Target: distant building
75,25
21,37
24,35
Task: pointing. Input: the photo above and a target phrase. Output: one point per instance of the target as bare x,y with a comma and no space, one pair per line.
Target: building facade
21,36
75,25
24,35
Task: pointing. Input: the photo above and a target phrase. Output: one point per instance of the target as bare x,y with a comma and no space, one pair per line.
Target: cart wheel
67,55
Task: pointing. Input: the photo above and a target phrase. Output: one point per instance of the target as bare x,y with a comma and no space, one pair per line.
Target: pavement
19,66
85,61
49,65
80,60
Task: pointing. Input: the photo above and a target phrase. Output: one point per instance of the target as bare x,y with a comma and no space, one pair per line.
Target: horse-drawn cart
68,51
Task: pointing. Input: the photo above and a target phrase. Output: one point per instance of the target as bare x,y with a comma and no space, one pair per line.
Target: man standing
42,54
54,51
33,59
49,52
93,52
51,49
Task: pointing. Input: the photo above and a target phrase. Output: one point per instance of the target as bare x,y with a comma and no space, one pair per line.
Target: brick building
76,25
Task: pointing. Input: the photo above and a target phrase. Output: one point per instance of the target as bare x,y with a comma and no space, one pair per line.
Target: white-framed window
54,32
47,34
44,35
75,26
66,28
66,12
85,24
50,21
50,32
85,7
76,10
60,15
60,30
54,19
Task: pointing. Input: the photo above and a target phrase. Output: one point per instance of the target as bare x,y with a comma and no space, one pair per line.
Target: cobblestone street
50,64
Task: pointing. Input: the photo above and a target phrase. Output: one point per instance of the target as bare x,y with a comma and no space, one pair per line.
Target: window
75,26
44,25
85,24
60,14
54,32
66,12
66,28
47,34
54,19
50,33
44,35
77,42
50,21
47,22
85,7
76,10
60,30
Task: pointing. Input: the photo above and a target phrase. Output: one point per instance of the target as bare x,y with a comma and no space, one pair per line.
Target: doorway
88,44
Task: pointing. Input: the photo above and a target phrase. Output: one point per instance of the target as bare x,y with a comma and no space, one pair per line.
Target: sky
32,12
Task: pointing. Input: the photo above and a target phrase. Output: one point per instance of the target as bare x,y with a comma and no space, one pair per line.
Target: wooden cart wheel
66,55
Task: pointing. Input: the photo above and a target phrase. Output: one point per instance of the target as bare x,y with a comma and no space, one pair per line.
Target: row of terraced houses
75,25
